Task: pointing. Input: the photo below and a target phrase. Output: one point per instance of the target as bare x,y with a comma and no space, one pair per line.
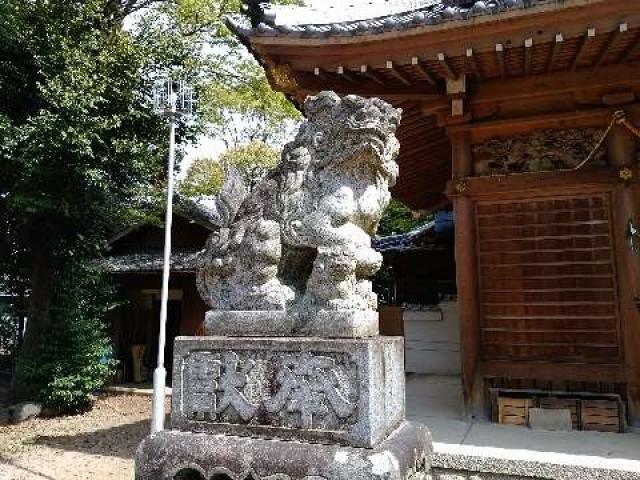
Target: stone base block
266,323
341,323
240,323
345,391
173,455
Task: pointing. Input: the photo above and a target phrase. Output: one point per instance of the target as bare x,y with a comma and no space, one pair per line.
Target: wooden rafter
633,46
366,71
321,74
588,38
555,51
528,55
396,73
347,75
415,127
611,42
557,84
446,64
422,69
500,59
473,64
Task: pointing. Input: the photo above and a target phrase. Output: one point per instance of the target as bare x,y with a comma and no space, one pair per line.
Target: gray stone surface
345,323
404,455
348,391
453,475
556,467
249,323
24,411
300,242
550,419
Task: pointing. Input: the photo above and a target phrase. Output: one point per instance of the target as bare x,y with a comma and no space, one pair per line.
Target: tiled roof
425,237
185,260
329,18
432,235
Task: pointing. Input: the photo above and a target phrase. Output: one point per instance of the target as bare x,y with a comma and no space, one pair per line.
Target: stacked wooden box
514,411
601,415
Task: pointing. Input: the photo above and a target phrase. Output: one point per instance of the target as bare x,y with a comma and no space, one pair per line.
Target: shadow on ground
120,441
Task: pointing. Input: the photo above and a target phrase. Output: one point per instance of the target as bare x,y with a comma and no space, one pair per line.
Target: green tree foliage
9,330
76,358
79,143
397,219
235,99
243,108
80,147
206,175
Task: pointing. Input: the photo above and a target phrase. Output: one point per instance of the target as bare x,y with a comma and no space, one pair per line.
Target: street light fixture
171,99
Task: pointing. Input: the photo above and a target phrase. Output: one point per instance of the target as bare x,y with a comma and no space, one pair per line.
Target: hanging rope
619,118
632,128
614,120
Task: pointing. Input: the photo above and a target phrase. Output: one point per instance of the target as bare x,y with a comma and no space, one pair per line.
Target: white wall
432,340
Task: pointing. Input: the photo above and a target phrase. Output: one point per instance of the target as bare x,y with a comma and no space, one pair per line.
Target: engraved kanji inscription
309,385
201,373
230,385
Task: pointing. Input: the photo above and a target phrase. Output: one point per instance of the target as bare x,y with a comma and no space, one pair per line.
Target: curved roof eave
438,16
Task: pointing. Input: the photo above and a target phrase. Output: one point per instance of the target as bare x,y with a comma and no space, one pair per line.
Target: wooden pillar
467,278
622,150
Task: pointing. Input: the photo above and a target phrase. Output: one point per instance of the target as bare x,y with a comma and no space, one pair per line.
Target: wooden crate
514,411
601,415
571,404
391,320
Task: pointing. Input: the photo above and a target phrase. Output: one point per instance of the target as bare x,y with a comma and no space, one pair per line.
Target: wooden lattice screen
547,280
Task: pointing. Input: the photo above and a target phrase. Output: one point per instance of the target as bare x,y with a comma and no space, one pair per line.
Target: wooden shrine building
505,102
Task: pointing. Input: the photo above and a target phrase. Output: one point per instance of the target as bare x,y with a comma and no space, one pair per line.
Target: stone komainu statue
301,240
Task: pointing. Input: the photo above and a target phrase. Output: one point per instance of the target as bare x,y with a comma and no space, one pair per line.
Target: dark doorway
174,309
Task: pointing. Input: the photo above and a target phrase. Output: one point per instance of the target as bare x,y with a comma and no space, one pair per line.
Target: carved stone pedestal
346,391
298,407
173,455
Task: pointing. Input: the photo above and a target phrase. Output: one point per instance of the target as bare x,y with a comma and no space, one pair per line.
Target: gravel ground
97,445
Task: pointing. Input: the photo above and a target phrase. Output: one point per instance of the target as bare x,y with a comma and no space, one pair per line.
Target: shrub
397,219
9,331
75,358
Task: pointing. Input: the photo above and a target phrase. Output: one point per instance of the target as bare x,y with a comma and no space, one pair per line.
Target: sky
207,146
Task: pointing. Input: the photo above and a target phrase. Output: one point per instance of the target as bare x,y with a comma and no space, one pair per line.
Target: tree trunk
39,316
42,275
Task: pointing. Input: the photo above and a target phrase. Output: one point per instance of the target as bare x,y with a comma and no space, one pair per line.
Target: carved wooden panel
543,150
548,280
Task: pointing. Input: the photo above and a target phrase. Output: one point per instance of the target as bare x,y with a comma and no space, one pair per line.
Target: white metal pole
160,373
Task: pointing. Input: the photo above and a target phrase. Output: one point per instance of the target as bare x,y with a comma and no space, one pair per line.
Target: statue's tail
233,193
224,210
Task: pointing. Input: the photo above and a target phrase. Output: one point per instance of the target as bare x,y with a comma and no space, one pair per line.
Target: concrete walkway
482,447
144,389
437,402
